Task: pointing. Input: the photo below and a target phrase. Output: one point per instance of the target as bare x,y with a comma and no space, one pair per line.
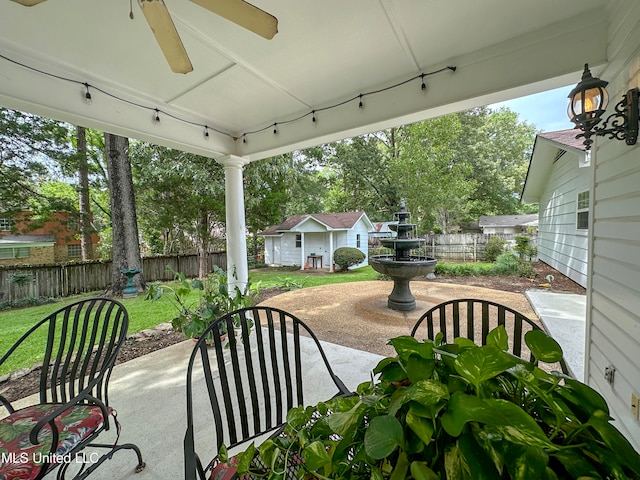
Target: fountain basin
402,271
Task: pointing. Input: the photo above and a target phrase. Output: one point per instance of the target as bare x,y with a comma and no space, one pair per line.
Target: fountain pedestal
401,266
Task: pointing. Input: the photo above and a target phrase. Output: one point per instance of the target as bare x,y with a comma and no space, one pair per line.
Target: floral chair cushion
20,459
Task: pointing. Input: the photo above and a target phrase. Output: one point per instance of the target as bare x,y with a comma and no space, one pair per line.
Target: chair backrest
82,342
474,319
250,379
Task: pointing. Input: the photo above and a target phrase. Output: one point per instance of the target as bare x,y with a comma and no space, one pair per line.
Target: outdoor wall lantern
588,102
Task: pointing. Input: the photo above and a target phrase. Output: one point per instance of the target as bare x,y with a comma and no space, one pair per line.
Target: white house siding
560,243
613,318
289,254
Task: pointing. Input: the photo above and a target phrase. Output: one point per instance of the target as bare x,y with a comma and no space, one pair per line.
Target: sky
547,111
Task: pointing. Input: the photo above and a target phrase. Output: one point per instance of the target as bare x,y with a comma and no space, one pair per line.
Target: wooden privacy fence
464,247
61,280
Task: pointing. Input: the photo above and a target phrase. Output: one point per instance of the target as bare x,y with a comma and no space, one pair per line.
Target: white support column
237,267
330,251
303,260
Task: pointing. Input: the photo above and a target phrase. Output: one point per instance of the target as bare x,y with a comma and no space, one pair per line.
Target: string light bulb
156,118
206,132
313,116
423,87
87,95
275,128
360,104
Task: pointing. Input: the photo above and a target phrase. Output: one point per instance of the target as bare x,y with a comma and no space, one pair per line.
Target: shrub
524,249
346,257
463,269
506,264
494,248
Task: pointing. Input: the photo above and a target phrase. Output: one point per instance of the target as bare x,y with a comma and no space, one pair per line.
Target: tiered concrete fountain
401,266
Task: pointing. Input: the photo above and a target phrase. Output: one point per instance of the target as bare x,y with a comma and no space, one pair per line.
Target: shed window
358,240
582,211
298,240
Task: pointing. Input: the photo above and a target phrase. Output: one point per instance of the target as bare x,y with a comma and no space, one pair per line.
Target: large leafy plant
199,302
454,411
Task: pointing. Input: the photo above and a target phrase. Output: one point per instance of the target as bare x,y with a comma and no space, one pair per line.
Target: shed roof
333,221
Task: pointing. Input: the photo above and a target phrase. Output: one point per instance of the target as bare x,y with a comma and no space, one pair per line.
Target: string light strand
157,112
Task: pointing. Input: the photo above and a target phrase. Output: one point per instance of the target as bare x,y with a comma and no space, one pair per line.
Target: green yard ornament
130,289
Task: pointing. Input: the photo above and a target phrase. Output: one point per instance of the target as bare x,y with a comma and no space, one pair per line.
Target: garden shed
309,240
558,180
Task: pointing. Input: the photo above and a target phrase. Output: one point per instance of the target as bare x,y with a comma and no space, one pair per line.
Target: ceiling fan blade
243,14
28,3
158,18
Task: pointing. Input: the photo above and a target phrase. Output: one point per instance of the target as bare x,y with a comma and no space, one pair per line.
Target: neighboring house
508,224
294,240
559,180
25,241
380,230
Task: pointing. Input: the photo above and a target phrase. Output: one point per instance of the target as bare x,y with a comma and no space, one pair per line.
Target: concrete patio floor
149,392
149,396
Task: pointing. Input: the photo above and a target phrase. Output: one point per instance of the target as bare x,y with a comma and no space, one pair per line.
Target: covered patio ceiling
243,87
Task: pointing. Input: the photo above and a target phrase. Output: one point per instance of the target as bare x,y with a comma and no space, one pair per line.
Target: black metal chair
80,343
474,319
242,386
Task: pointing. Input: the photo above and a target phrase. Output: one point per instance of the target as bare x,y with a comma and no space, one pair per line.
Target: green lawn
145,314
278,277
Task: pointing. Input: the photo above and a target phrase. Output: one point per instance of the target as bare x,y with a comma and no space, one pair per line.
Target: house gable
556,177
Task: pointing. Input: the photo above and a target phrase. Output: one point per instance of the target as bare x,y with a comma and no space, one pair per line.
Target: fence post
475,248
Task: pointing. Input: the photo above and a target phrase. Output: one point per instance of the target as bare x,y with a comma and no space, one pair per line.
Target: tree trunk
124,225
203,244
86,243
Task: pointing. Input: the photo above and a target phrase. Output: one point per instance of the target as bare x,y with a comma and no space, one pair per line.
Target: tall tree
30,149
183,201
86,228
125,243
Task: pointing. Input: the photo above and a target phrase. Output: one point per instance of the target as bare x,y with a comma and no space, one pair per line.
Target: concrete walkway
149,395
564,316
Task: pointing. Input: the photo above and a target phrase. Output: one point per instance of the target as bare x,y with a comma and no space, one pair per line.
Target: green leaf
197,284
383,436
509,419
419,368
401,468
393,372
480,364
420,471
454,465
525,463
428,392
315,455
406,346
543,347
619,445
245,459
478,463
345,423
422,427
576,464
498,337
583,396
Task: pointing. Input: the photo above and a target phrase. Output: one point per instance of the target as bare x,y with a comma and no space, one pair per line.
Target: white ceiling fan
157,15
